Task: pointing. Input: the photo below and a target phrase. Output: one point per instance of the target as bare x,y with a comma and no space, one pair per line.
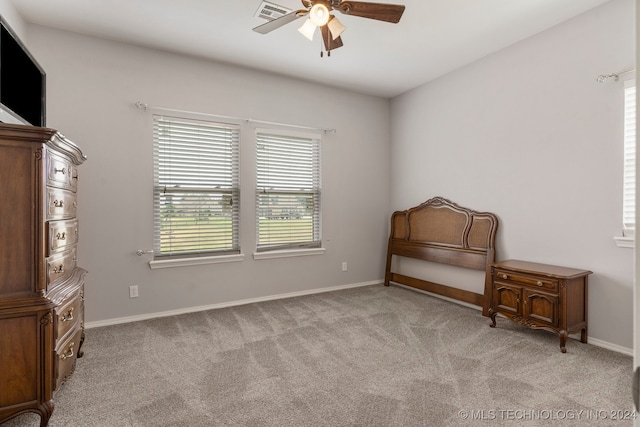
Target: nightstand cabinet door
541,307
507,298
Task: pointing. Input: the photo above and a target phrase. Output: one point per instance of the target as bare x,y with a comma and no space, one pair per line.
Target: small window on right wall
629,186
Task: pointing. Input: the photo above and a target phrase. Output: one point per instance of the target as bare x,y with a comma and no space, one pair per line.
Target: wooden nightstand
540,296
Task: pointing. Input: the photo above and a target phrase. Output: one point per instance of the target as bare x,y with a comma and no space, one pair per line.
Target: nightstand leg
583,335
563,341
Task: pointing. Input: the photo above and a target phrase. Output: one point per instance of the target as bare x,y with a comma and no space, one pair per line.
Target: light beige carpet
370,356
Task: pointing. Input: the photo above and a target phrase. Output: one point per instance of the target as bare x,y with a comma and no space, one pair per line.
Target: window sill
185,262
624,241
288,253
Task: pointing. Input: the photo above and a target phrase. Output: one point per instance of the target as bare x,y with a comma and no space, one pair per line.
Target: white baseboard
610,346
128,319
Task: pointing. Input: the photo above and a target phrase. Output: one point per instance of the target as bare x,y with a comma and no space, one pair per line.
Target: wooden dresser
41,287
540,296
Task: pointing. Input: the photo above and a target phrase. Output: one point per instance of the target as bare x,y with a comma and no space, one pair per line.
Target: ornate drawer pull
503,276
62,171
539,283
67,317
58,203
68,353
61,236
58,269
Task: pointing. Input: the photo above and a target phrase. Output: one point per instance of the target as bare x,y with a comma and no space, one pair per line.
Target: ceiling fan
319,13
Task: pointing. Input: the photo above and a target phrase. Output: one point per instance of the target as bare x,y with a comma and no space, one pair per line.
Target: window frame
282,184
629,166
227,182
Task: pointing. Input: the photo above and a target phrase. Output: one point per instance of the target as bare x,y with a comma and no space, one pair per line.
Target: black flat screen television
22,82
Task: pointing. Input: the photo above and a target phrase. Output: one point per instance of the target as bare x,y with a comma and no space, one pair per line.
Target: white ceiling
433,37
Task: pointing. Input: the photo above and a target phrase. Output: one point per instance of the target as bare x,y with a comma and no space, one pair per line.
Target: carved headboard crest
441,222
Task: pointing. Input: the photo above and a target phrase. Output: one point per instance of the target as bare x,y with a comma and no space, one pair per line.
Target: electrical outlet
133,291
344,265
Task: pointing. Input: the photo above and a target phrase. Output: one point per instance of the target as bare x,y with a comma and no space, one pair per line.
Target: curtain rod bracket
615,76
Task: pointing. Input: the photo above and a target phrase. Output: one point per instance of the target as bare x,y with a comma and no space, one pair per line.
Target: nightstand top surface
540,269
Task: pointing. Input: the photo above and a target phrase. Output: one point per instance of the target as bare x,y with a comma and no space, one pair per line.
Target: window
196,187
629,187
287,191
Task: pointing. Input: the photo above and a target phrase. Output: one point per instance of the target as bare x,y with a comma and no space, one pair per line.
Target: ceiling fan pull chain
328,43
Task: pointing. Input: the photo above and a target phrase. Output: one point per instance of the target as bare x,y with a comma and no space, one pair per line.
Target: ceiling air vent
271,11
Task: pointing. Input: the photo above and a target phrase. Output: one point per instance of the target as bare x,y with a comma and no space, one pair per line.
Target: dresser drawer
70,314
61,172
65,357
523,279
61,204
60,266
61,235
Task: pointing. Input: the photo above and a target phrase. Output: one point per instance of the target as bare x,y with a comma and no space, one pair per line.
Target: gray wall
528,133
92,85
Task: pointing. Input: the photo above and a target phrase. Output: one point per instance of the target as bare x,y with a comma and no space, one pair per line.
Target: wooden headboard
440,231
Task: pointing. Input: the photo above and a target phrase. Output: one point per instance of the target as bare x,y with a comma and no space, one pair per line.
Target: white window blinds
287,191
196,187
629,188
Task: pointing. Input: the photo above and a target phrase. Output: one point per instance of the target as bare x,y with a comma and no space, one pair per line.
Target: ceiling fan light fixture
319,14
308,29
335,27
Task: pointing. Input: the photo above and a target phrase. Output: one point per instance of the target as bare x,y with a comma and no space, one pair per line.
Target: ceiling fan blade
279,22
329,42
380,11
